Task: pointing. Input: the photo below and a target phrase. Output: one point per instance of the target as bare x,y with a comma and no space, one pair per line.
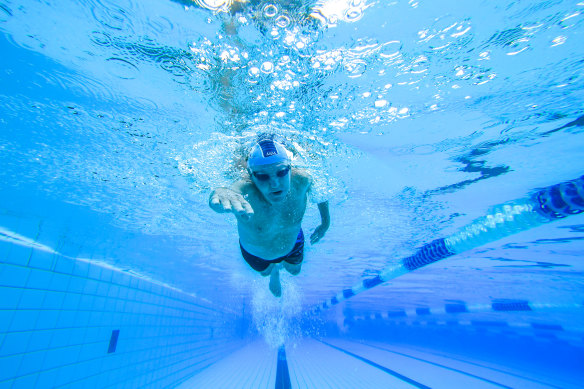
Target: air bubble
356,68
267,67
289,40
353,14
275,33
283,21
214,5
253,75
270,10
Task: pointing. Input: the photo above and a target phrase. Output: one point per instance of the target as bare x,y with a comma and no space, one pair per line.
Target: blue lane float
544,206
499,305
573,336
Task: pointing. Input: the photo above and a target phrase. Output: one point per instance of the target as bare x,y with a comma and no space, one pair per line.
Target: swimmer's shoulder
301,178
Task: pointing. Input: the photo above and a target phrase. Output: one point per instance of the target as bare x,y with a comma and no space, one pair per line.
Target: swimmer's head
267,152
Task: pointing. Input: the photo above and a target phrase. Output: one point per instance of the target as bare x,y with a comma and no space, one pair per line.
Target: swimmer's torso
272,230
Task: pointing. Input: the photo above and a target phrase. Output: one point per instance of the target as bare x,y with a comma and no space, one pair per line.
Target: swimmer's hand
318,233
224,200
325,222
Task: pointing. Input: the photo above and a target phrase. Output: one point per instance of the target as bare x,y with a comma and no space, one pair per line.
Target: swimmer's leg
275,286
274,272
291,268
268,270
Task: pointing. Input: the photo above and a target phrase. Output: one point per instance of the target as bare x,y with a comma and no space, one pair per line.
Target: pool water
415,118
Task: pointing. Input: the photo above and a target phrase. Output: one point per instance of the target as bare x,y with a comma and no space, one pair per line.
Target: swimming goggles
266,177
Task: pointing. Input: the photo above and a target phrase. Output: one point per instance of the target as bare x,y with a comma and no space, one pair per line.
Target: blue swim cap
266,152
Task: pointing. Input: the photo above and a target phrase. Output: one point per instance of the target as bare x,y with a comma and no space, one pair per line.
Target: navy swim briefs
294,257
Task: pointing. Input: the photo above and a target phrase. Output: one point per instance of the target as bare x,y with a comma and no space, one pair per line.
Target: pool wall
72,322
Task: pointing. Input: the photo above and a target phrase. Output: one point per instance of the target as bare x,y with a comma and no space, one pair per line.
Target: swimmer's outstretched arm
325,222
224,200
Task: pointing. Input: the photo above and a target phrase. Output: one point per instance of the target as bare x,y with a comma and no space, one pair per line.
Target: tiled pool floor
338,364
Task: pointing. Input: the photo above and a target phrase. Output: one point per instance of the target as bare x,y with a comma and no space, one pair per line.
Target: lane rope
544,206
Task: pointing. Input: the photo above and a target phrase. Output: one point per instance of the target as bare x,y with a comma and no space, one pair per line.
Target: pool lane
437,371
340,363
313,364
254,366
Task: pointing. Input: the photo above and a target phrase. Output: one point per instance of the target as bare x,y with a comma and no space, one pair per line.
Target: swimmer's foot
275,286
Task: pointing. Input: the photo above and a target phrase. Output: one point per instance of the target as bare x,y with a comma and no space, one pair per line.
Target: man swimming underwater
269,206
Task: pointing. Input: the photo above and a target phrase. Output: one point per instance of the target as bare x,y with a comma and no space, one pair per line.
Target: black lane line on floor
282,373
494,369
385,369
439,365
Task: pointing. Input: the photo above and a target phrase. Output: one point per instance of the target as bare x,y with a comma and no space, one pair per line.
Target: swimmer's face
273,181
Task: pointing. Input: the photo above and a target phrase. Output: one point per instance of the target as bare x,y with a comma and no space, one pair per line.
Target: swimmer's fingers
315,237
215,199
247,207
225,200
242,208
225,204
237,207
220,200
215,203
318,234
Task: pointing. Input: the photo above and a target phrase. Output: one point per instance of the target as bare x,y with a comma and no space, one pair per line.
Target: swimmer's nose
274,183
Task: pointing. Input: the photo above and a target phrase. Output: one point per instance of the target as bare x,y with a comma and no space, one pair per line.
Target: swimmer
269,205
